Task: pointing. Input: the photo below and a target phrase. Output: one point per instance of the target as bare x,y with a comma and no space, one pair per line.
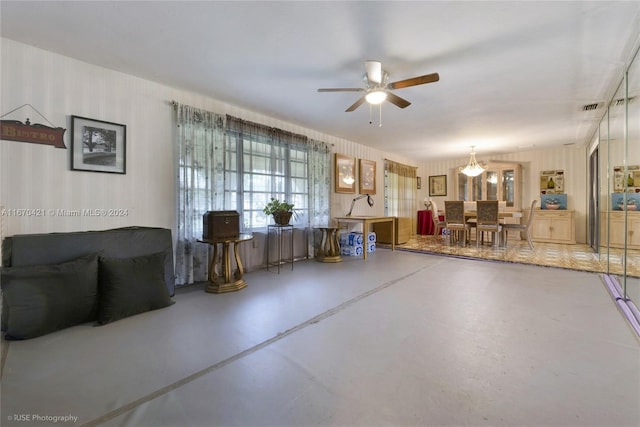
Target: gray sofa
56,280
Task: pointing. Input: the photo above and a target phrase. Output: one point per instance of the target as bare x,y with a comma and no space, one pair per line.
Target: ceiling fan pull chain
370,114
380,118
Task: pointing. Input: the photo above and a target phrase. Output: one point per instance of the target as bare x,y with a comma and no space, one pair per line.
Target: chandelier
473,168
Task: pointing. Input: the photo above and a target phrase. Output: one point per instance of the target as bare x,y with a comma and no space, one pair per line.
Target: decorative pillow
44,298
129,286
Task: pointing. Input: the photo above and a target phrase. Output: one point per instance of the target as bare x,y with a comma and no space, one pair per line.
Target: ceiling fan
378,89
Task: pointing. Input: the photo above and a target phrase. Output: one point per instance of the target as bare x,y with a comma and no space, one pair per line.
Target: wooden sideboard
554,226
617,229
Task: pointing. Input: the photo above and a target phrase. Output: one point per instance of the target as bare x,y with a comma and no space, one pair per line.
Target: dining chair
471,221
437,224
454,219
488,220
523,228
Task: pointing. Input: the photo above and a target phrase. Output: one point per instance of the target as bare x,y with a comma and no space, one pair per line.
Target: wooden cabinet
501,181
554,226
617,231
403,232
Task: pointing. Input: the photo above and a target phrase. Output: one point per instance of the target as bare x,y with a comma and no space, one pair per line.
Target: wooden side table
368,220
329,248
226,282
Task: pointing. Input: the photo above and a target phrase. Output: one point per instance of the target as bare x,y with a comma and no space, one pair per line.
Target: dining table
470,214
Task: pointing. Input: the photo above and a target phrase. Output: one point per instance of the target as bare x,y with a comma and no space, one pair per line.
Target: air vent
590,107
620,101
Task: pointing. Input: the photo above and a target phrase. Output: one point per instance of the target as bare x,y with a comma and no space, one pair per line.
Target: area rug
575,257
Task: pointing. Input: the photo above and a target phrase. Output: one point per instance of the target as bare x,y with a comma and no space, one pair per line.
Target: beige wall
38,177
570,158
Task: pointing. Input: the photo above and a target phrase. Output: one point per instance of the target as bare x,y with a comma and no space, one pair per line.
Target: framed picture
552,182
418,182
98,146
345,168
630,182
367,177
438,185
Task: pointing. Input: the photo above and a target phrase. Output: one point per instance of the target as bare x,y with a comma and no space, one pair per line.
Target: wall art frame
438,185
345,174
552,182
629,183
98,146
367,182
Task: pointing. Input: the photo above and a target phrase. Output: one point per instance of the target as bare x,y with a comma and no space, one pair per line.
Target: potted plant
281,211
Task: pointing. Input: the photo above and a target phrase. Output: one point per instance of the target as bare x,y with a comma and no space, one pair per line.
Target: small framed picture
367,177
438,185
98,146
345,174
418,182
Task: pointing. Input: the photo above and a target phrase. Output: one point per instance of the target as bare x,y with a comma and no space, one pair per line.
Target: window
262,163
230,164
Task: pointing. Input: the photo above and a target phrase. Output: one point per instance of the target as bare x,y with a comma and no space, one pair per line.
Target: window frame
242,150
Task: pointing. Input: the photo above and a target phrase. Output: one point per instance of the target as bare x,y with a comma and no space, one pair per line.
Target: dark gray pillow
129,286
44,298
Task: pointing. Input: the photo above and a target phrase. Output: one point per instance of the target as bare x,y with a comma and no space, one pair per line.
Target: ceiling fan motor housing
379,89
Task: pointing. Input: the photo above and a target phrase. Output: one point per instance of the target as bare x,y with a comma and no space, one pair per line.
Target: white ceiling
513,75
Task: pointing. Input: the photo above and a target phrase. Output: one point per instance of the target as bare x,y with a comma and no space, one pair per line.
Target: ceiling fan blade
427,78
341,89
355,105
396,100
374,71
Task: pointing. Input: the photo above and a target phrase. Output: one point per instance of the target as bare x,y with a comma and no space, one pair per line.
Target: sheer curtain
226,163
319,183
319,187
401,191
199,148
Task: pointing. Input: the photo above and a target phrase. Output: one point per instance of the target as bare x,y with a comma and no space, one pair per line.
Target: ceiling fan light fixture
376,97
378,89
473,168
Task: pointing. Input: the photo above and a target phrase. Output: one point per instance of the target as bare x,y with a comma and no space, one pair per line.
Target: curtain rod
394,161
175,104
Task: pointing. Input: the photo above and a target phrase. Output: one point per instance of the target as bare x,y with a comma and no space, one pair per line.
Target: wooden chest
220,225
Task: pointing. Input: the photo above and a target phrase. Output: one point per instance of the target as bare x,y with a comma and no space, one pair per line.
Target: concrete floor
403,339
